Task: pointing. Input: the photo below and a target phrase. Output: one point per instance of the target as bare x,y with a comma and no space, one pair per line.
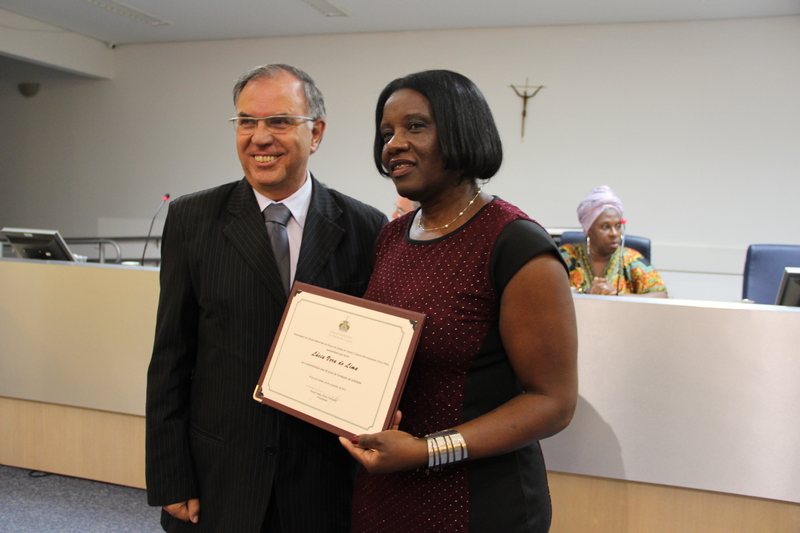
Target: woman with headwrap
602,265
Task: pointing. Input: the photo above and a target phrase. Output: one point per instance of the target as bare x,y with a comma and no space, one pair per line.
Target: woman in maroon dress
495,370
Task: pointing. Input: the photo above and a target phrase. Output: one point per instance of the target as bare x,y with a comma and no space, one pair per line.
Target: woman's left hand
601,286
388,451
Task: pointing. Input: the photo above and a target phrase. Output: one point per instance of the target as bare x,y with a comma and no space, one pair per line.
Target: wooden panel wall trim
72,441
109,447
588,504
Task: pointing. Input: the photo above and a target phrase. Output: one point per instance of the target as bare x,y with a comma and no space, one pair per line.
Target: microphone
163,201
621,252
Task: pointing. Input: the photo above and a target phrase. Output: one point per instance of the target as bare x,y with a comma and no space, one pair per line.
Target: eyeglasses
274,124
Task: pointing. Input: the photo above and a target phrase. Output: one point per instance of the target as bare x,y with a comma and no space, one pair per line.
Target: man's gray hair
315,104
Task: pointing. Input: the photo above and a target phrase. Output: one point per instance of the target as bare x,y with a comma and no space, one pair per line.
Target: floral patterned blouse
637,275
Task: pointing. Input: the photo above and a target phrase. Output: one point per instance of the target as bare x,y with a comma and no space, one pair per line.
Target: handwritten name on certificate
338,361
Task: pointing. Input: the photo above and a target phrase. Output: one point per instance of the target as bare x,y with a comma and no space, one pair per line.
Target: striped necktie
276,216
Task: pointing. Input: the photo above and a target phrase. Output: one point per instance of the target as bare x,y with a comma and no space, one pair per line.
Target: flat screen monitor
789,291
38,244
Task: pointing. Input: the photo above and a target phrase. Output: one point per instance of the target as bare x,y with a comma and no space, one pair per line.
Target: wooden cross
525,97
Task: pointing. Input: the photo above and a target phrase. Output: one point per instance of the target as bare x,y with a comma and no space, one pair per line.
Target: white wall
696,125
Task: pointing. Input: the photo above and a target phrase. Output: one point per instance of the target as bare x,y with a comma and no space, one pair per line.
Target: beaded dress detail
448,279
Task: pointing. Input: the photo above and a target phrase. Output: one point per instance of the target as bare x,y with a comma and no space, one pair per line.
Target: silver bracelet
445,447
431,453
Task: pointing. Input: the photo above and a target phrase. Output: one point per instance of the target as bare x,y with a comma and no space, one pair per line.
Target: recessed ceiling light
326,8
129,12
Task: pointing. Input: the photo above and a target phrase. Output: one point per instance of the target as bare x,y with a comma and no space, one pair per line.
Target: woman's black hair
467,133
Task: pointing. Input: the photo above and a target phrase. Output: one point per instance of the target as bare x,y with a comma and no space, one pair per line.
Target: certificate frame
339,362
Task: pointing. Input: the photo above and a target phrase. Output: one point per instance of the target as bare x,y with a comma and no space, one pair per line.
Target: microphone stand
146,239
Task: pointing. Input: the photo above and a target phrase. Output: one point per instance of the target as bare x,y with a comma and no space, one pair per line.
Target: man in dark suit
217,460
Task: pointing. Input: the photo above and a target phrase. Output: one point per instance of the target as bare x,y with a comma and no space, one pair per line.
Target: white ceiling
191,20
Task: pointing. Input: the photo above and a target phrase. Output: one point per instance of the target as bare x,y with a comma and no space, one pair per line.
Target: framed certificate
339,362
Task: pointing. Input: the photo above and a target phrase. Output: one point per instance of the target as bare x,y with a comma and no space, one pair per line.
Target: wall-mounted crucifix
523,93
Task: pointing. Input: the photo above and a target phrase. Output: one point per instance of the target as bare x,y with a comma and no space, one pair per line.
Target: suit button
271,450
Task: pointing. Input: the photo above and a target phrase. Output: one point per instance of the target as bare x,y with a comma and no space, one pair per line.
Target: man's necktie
276,216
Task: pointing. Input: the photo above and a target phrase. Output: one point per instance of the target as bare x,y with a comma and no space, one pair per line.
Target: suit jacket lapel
248,234
321,234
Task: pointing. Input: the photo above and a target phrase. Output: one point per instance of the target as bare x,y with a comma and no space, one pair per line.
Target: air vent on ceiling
126,11
326,8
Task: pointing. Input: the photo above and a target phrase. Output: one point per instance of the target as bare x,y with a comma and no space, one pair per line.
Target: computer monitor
789,291
38,244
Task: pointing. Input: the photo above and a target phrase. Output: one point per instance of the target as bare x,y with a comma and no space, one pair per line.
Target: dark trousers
272,522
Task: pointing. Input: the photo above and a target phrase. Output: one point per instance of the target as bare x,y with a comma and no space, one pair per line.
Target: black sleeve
520,241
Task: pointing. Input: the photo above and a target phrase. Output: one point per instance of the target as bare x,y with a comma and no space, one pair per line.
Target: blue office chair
640,244
763,269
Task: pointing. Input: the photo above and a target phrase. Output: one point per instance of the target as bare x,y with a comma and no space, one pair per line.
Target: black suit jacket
221,302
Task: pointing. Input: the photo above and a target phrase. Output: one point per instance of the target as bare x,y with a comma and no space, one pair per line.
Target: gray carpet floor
59,504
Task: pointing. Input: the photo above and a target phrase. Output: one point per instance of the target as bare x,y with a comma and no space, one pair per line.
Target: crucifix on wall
522,92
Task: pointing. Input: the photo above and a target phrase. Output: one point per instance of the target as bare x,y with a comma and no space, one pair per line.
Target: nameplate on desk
339,362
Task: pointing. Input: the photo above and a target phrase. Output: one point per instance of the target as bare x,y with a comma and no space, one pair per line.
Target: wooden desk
697,395
686,423
75,344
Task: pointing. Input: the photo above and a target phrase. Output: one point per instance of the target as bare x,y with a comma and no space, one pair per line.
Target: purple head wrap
597,201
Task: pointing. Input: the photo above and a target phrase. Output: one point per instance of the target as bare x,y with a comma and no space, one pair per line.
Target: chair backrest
640,244
763,269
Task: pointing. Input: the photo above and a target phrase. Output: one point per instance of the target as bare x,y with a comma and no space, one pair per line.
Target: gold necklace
419,220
